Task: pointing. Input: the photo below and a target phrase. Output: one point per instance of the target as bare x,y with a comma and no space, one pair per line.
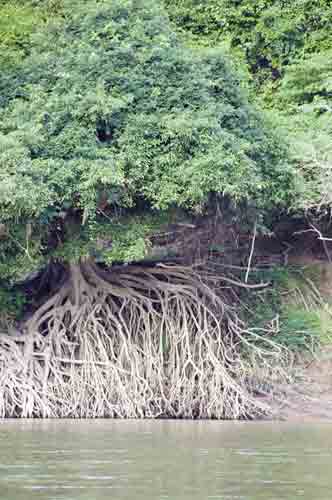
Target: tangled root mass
135,342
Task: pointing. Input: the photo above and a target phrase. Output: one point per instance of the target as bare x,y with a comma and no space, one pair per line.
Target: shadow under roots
137,342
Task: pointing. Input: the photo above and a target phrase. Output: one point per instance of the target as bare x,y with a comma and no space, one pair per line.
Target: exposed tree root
135,342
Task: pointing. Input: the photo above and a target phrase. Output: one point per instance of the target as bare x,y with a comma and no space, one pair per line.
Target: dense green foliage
18,20
287,50
108,113
270,33
303,106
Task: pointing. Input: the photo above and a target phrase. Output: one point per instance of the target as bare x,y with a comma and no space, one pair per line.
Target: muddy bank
309,398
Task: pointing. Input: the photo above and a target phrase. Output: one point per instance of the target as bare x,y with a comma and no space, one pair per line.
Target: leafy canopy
108,114
286,49
269,33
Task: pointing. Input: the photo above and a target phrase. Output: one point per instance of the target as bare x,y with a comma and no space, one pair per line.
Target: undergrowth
294,305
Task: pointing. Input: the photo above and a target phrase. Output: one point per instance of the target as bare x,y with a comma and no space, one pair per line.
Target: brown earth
310,398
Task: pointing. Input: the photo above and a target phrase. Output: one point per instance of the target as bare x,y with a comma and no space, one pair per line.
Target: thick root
136,343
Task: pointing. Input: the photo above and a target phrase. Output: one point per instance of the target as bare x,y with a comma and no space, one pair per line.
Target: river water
159,460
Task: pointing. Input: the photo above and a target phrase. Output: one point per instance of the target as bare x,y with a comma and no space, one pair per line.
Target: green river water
159,460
